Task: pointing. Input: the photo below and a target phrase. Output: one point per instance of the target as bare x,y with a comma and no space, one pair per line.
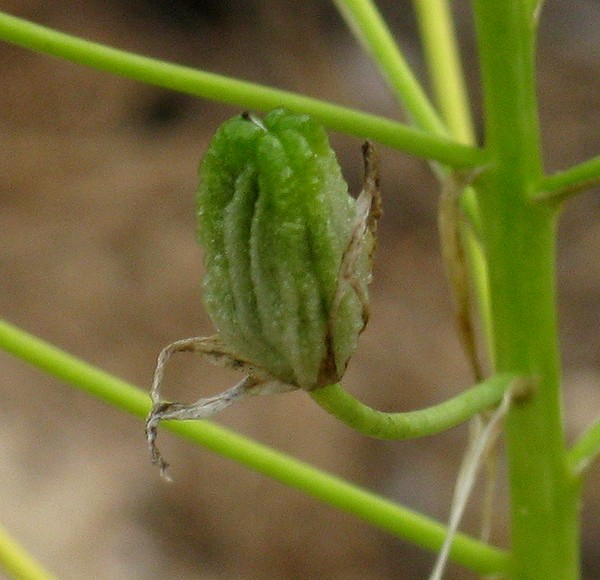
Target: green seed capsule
274,219
288,261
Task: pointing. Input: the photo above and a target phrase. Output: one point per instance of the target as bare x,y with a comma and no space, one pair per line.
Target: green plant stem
409,425
562,185
445,70
16,562
327,488
519,239
371,30
447,79
583,453
235,92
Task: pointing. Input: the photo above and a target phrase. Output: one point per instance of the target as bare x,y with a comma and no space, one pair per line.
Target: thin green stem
445,70
235,92
519,239
409,425
564,184
372,31
17,562
327,488
586,450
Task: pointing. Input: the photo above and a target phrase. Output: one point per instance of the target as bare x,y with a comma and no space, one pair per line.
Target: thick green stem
519,239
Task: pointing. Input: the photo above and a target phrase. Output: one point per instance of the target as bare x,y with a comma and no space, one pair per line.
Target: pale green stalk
445,69
17,562
447,78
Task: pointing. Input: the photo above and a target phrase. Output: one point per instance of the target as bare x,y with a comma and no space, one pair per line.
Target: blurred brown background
98,256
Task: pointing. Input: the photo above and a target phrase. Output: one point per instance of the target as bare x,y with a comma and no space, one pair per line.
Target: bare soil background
98,256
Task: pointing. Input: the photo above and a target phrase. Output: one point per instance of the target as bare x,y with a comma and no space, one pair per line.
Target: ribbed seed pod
275,220
288,261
